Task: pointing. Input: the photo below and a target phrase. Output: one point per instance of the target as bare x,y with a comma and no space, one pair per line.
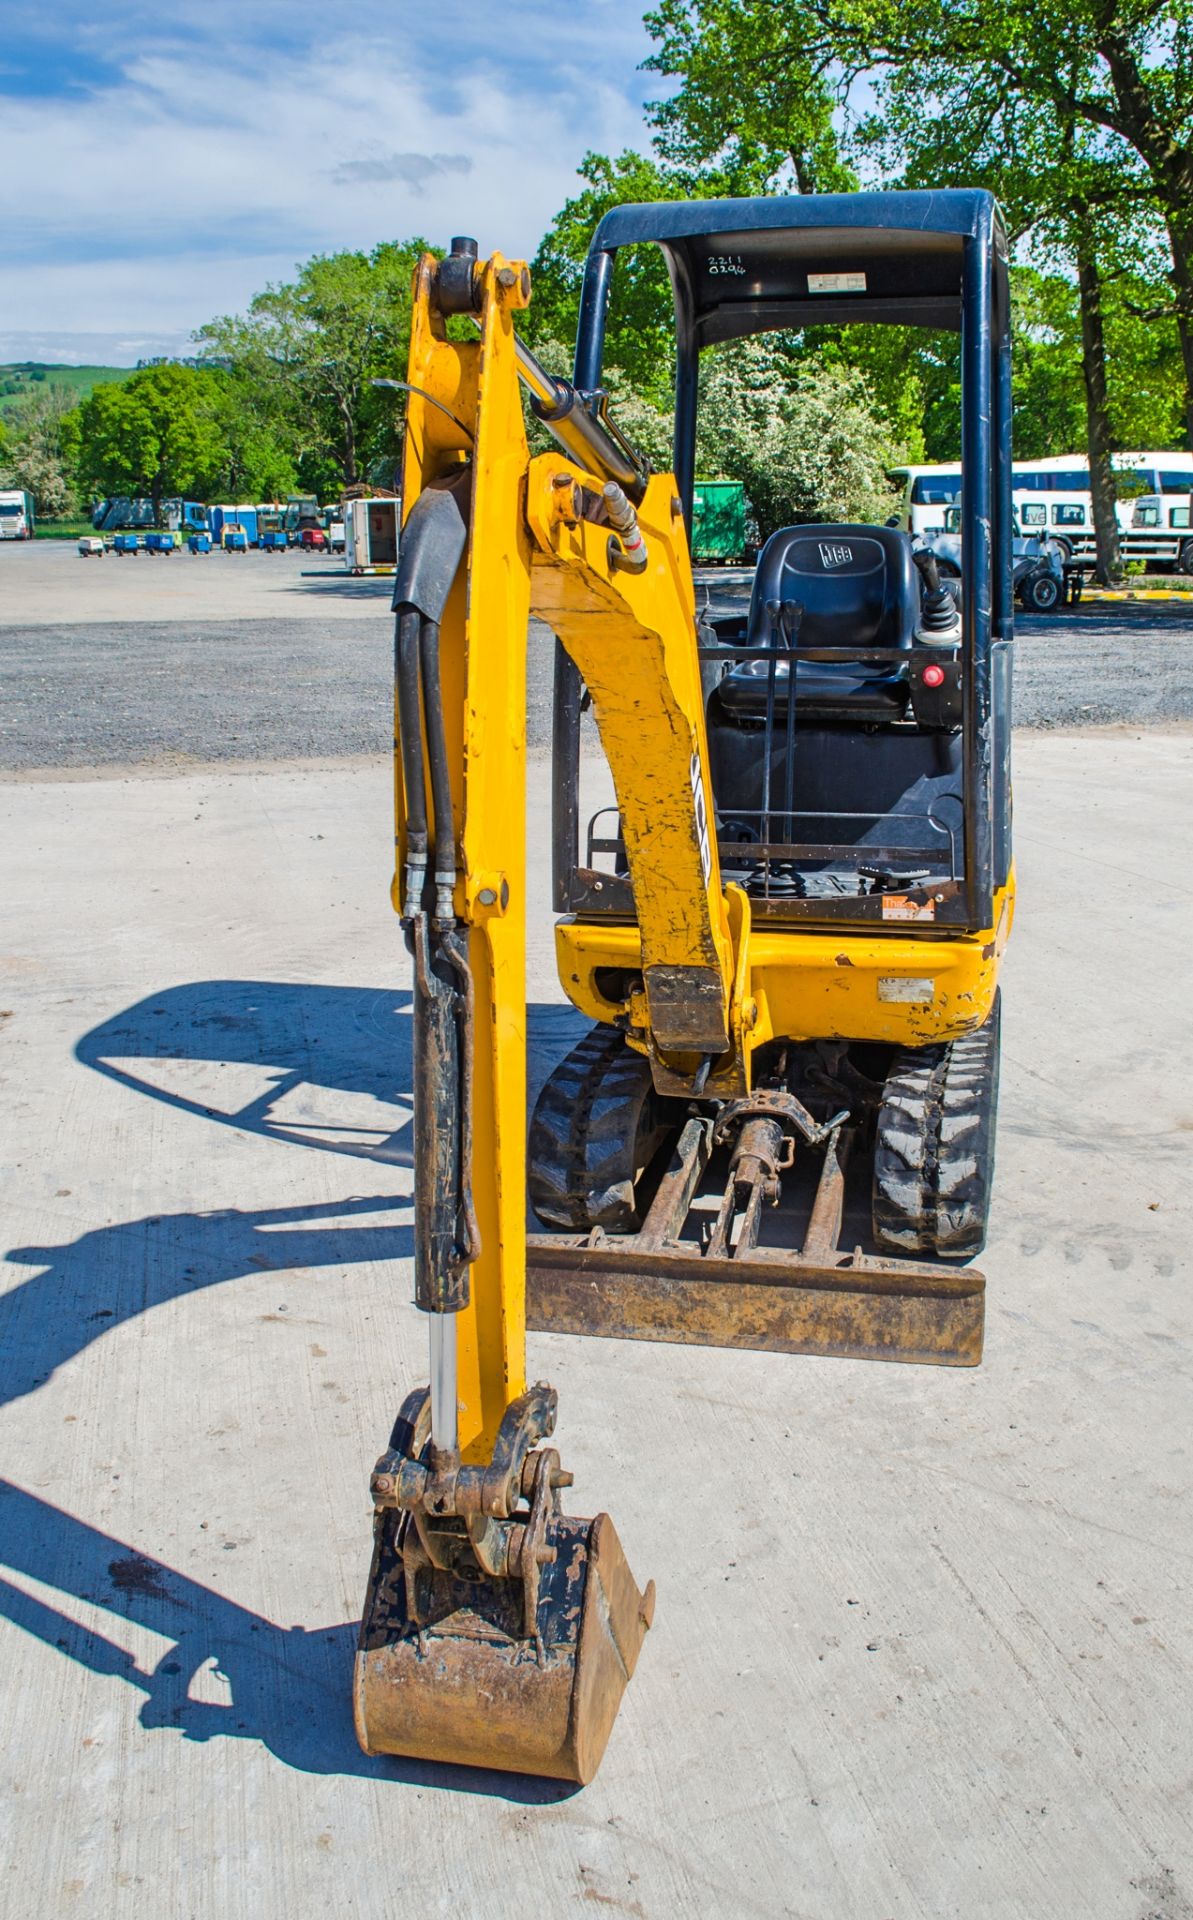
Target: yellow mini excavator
787,933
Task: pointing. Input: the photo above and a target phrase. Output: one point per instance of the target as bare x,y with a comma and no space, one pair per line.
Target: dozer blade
819,1299
522,1670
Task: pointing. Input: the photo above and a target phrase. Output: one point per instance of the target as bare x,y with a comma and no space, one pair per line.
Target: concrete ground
923,1640
47,583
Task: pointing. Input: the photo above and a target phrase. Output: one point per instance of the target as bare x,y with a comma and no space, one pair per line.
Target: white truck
16,515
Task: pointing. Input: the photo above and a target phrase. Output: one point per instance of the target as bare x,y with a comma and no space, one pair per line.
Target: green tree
36,452
306,353
1121,75
259,461
806,440
157,435
957,94
775,131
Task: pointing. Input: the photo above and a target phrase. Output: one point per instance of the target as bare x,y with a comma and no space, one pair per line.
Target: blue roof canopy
748,266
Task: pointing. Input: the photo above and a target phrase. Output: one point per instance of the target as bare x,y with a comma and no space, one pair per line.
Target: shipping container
718,521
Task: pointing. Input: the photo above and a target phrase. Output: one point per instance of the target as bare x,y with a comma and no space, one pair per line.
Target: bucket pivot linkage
498,1631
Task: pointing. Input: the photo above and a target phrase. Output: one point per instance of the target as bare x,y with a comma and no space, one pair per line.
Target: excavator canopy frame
741,267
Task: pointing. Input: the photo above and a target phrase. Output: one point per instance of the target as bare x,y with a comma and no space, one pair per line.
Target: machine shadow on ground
316,1066
313,1066
286,1687
87,1287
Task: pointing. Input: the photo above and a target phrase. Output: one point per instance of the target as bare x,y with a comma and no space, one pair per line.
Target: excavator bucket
521,1669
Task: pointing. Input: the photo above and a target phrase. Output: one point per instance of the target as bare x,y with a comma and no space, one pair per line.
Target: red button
933,676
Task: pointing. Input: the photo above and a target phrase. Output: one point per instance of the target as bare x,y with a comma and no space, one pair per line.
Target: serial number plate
836,283
902,988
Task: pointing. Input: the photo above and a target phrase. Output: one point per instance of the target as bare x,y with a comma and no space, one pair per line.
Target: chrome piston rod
445,1412
581,426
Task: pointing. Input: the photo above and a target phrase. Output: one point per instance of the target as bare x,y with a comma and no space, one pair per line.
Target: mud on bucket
501,1641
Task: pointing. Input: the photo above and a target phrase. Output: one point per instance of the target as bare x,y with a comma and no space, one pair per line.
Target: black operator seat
858,586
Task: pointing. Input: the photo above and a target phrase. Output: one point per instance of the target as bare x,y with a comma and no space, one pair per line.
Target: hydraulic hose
441,792
406,675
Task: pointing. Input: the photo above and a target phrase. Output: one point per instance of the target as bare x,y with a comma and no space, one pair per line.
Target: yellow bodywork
811,986
712,983
483,656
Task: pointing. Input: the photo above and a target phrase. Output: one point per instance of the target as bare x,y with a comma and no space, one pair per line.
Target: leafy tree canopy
1079,115
157,435
306,353
37,449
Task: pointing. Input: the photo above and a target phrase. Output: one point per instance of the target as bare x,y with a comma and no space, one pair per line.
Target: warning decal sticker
901,906
836,283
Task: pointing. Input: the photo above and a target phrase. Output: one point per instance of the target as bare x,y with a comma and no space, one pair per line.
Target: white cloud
178,190
91,349
413,169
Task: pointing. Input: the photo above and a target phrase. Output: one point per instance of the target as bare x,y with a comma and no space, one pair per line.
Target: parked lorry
122,514
16,515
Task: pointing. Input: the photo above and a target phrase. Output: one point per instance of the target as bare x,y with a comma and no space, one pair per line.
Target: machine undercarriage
722,1223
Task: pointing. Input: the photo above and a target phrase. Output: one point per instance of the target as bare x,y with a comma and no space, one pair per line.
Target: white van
927,492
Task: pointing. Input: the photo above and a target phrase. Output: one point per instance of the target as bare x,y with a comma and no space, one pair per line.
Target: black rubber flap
433,541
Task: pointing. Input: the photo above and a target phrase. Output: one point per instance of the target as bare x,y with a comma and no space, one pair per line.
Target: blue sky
167,167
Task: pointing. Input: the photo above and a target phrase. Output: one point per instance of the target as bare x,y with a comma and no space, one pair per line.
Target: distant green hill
23,377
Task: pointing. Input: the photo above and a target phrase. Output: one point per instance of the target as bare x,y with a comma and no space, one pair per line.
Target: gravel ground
177,694
182,691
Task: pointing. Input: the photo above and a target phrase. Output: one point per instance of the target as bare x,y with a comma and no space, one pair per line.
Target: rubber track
597,1122
934,1147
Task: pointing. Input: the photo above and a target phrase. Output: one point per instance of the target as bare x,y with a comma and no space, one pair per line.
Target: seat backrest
858,586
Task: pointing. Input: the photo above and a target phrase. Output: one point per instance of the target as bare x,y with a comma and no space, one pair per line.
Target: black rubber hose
411,746
441,792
